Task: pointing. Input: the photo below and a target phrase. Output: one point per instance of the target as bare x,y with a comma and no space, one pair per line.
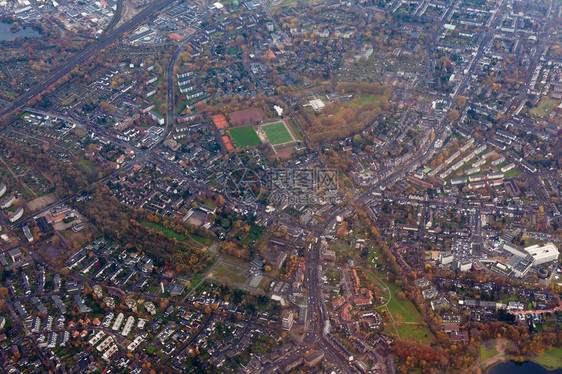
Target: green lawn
90,165
416,332
228,274
150,349
180,106
162,229
253,235
530,241
404,307
364,99
201,239
486,353
157,104
244,137
515,172
277,133
408,312
544,107
210,203
295,128
551,358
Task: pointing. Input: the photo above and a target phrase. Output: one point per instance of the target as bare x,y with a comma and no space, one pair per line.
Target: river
7,35
526,367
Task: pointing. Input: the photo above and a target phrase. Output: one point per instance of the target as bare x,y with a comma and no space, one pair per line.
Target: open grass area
162,229
551,359
403,307
544,107
415,332
158,104
364,99
253,235
210,203
228,274
244,137
295,129
486,352
284,147
200,239
515,172
277,133
357,101
530,241
90,165
403,311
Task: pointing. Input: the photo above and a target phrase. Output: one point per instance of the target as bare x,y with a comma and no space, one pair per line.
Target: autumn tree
453,115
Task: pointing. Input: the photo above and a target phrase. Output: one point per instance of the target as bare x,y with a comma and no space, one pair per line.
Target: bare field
41,202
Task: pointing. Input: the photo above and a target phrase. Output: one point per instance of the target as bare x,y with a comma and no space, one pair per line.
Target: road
116,17
170,98
141,154
87,53
318,320
187,343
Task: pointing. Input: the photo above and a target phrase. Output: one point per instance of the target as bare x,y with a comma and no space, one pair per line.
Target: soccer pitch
277,133
244,137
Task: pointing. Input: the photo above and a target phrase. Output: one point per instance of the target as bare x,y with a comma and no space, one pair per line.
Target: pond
526,367
7,35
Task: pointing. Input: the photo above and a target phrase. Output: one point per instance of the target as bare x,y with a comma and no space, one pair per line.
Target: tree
460,101
56,241
453,115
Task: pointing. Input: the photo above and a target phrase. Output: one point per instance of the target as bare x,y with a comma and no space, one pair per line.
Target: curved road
116,17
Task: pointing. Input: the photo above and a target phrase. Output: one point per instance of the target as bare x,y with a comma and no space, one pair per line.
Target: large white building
8,202
287,321
317,105
118,322
446,258
543,254
16,215
128,326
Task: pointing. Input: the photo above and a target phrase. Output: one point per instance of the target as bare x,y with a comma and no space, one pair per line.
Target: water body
526,367
7,35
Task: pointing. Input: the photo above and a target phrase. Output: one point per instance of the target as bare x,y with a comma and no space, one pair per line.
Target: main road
318,319
91,50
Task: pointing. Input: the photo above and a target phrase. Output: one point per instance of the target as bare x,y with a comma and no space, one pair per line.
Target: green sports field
245,136
277,133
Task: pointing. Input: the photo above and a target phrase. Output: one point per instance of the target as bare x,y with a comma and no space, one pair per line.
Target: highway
87,53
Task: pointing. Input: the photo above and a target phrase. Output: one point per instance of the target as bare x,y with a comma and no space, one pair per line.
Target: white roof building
543,254
118,322
128,326
317,104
